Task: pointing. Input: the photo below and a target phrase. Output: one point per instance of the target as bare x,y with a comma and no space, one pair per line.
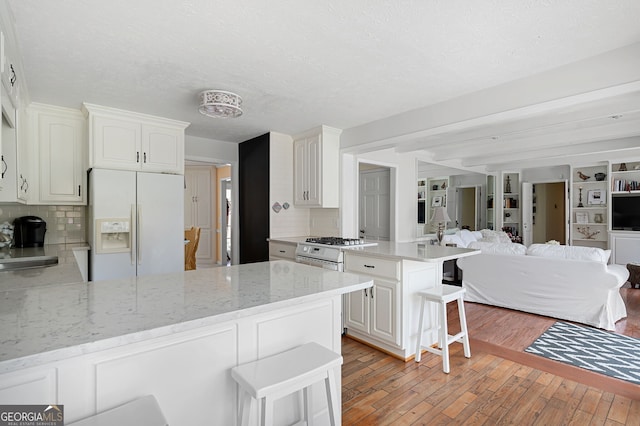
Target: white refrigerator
136,224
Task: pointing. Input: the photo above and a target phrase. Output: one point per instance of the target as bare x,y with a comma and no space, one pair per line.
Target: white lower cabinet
386,316
625,247
280,250
375,312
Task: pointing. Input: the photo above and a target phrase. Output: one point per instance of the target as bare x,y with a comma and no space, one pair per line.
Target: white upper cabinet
132,141
58,137
316,168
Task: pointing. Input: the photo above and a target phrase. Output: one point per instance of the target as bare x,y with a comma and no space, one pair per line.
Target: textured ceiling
301,63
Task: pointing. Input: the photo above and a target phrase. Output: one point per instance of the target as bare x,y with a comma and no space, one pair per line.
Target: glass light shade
220,104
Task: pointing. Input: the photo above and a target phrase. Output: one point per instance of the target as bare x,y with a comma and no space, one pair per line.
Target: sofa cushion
593,254
495,236
467,237
499,248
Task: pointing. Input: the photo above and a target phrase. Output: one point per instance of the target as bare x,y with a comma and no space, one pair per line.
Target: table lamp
441,217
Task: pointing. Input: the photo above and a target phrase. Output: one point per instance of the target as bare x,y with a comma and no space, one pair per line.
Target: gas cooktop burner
335,241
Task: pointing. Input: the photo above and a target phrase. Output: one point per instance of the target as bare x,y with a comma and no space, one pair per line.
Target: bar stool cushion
282,374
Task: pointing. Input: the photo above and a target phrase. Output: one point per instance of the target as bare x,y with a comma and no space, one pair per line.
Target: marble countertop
49,323
419,251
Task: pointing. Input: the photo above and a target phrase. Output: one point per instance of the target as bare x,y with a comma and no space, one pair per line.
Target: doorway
546,212
374,202
468,207
225,221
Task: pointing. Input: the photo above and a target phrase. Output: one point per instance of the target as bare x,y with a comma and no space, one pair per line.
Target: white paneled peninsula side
93,346
386,316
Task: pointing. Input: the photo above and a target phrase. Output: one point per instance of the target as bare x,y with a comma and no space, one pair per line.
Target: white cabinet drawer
372,266
282,250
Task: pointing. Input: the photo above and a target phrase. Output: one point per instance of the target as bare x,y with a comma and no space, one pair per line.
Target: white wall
211,150
404,214
291,222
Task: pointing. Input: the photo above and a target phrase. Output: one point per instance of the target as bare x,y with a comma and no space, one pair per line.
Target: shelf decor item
598,218
582,217
623,167
587,232
600,176
596,197
507,185
436,201
580,198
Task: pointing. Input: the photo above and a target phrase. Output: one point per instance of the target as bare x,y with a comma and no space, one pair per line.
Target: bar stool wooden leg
332,394
444,336
463,327
245,408
418,356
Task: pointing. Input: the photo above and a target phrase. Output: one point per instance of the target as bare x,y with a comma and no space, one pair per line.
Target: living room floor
499,384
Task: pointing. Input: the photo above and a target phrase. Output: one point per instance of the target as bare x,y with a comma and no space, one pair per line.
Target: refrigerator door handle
134,229
139,234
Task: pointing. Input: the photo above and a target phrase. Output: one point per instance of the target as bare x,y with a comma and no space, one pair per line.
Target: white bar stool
143,411
441,295
270,378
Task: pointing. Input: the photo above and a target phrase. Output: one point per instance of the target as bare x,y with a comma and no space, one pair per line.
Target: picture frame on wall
582,217
596,197
436,201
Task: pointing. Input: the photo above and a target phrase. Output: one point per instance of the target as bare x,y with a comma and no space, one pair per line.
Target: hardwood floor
499,384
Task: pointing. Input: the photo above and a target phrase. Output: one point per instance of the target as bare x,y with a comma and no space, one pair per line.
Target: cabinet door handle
369,266
4,166
137,156
14,76
372,292
365,293
79,193
144,156
282,251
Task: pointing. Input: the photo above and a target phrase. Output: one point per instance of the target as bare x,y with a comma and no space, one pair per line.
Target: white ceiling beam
598,147
572,134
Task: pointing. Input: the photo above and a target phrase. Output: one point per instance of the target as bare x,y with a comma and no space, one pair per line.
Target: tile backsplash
65,224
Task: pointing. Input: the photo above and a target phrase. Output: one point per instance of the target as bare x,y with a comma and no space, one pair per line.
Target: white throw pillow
499,248
467,237
593,254
489,235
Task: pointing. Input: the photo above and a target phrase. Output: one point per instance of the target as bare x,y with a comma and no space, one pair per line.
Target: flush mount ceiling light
220,104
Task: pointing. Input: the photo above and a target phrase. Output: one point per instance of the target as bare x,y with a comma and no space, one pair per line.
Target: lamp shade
440,215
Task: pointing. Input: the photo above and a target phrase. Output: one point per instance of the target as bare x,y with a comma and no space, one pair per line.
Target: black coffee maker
28,231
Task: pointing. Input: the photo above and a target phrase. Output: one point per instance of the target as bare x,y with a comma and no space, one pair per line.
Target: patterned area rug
590,348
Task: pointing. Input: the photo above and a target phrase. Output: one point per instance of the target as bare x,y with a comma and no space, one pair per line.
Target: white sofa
565,282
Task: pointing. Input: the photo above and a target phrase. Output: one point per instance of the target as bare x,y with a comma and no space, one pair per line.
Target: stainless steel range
327,252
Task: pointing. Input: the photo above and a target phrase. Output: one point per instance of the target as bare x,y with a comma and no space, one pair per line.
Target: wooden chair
193,236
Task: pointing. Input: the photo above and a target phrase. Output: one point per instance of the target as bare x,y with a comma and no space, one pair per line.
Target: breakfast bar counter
92,346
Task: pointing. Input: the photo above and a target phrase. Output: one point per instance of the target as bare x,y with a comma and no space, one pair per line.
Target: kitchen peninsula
93,346
386,316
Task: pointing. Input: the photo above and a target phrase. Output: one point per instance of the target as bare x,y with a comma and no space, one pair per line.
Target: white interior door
375,204
527,213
